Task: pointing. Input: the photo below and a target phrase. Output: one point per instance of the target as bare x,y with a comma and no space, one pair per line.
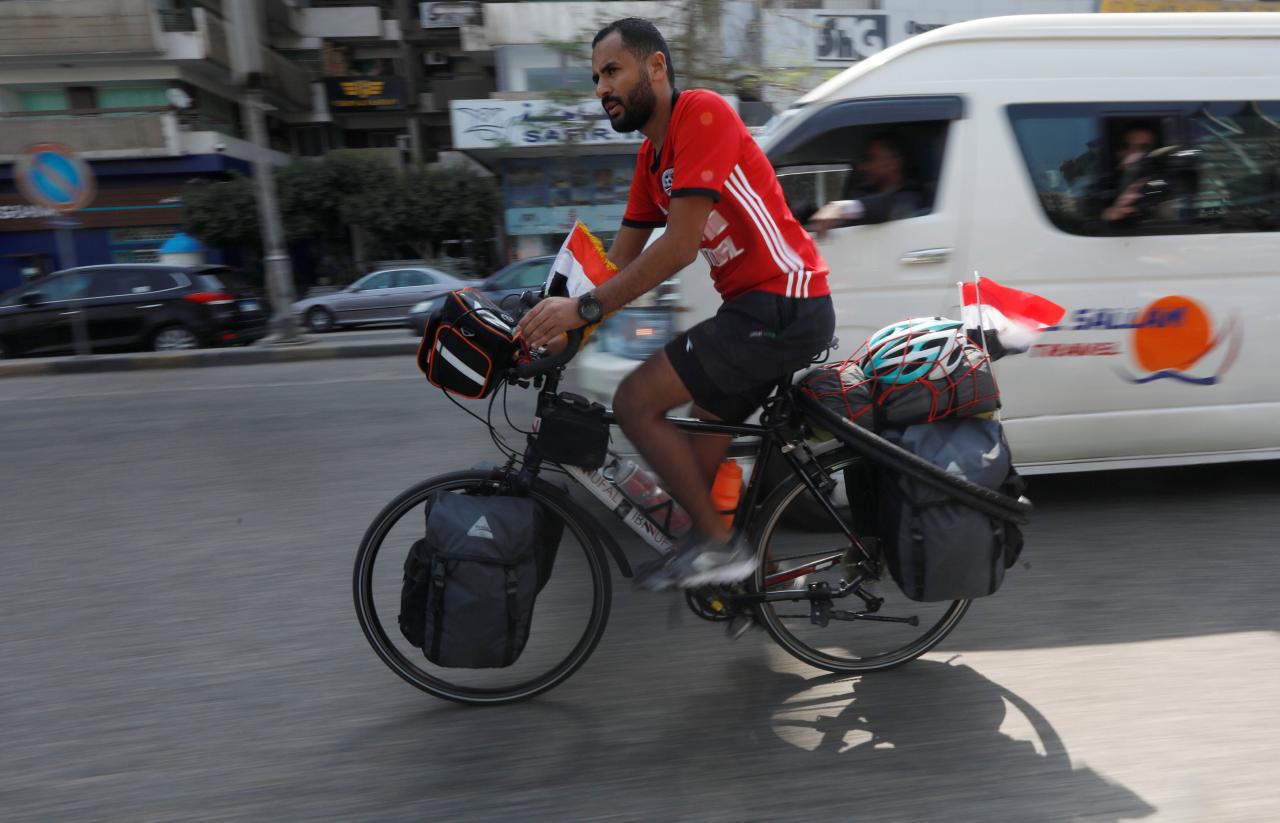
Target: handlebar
543,365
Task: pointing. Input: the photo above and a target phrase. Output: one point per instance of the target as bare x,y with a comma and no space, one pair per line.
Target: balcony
99,28
127,134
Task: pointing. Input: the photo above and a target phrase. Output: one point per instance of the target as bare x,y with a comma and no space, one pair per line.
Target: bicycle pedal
739,625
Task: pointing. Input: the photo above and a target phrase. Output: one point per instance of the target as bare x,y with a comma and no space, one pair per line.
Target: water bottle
642,489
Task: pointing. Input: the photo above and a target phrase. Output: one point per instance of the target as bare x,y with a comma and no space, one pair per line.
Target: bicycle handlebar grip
546,364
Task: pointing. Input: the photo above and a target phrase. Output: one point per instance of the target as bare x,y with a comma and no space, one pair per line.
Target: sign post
55,177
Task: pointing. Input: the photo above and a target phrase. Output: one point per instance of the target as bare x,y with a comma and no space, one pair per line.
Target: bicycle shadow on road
931,740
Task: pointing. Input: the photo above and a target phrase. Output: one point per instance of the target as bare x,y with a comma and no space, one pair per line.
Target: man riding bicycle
700,174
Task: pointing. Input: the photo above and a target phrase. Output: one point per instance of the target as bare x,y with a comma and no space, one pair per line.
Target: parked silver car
383,296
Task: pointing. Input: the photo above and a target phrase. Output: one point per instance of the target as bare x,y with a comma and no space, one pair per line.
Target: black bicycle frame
782,434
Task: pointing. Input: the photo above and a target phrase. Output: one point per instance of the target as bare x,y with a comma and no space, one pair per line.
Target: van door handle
68,313
915,258
151,306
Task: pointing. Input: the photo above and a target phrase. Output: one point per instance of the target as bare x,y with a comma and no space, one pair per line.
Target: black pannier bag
468,344
572,432
470,584
936,547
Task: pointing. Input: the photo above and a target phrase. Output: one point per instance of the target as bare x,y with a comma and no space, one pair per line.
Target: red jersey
751,239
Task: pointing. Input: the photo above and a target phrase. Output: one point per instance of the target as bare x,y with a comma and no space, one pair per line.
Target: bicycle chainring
710,603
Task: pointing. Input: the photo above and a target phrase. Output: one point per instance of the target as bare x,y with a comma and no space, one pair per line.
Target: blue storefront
137,208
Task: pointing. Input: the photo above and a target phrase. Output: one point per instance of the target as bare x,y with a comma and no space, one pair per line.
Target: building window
82,97
51,100
131,97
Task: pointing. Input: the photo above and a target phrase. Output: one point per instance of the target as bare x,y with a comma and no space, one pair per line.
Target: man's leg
685,463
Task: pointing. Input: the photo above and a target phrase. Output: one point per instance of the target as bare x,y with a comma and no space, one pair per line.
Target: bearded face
628,113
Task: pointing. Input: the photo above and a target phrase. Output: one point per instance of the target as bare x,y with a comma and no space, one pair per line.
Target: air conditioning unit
435,58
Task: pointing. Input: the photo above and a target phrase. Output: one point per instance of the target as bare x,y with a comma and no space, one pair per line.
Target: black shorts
730,362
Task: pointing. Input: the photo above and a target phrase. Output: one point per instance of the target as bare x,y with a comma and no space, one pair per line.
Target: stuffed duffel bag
936,547
470,584
468,344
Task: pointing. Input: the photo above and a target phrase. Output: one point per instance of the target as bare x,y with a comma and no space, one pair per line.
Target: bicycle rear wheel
863,641
568,619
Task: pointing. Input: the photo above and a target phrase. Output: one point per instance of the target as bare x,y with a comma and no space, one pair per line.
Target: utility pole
246,59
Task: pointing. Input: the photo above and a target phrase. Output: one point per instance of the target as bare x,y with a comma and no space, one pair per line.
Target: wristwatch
589,308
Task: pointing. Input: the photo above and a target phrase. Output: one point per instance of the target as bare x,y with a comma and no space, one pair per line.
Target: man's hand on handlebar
550,318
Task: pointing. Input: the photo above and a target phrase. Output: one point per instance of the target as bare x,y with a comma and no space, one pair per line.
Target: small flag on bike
580,266
1014,317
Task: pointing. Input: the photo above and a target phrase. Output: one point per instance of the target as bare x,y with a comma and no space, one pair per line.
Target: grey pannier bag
937,548
470,583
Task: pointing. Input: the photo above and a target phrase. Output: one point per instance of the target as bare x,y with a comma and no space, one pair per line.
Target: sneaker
698,561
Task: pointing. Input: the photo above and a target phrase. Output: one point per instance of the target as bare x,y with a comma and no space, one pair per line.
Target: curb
199,358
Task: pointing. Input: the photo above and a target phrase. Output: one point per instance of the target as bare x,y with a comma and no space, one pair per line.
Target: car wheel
319,320
174,338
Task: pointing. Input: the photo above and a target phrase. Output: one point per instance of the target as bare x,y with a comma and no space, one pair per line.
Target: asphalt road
179,642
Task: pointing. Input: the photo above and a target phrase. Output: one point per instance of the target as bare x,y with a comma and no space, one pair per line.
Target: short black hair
891,141
641,38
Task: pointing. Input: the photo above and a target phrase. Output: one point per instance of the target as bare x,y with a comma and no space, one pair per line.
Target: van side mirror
32,299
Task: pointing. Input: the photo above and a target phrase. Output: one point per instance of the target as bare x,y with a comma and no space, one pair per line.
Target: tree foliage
417,210
222,215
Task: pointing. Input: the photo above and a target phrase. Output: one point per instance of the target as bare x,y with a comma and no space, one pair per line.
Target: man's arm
627,245
669,254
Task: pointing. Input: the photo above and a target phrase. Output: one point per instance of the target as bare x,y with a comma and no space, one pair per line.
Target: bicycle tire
784,631
398,662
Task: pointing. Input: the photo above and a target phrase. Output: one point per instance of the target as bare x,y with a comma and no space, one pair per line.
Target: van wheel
320,320
174,338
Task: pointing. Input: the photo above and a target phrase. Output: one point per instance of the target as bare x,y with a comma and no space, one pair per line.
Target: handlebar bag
468,344
470,584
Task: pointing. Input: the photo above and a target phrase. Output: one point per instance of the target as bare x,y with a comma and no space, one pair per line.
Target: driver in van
700,174
881,191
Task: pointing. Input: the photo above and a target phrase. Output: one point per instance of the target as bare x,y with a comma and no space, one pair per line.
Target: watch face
589,309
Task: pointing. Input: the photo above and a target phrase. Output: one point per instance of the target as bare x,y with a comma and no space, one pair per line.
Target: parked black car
128,307
502,287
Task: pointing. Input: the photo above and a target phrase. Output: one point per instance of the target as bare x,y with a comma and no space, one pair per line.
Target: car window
1154,168
891,168
377,280
524,275
221,281
413,277
116,282
62,287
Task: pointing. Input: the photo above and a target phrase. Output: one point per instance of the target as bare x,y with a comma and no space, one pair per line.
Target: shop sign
363,93
560,219
449,15
489,124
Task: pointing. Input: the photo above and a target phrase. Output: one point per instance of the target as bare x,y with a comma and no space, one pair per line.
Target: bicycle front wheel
856,640
568,619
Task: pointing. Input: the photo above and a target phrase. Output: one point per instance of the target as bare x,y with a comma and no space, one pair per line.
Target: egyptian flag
1008,318
580,266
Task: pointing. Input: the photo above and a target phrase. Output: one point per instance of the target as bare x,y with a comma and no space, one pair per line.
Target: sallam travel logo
1175,339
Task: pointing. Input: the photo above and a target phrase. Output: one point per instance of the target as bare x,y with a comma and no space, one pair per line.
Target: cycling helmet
921,347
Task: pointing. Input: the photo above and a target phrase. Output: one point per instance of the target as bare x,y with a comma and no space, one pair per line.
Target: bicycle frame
783,433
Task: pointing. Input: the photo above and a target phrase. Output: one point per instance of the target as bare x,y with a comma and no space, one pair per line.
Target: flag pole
982,327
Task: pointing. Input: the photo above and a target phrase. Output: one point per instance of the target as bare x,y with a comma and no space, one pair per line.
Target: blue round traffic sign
54,176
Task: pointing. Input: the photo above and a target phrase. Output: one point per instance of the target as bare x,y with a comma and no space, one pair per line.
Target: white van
1013,127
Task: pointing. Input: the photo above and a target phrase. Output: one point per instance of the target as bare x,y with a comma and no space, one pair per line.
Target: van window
1154,168
891,169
